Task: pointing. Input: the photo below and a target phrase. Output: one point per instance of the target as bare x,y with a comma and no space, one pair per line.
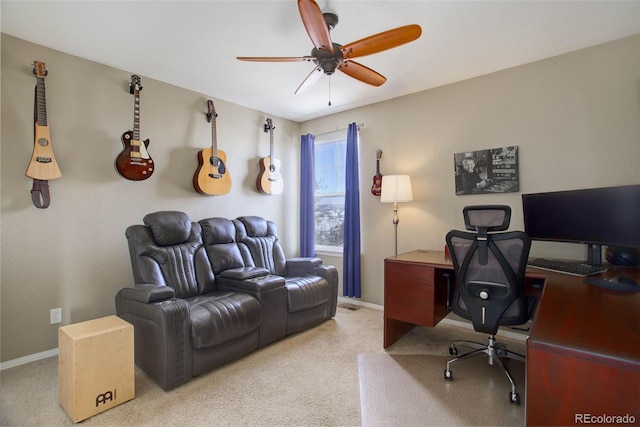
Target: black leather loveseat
212,291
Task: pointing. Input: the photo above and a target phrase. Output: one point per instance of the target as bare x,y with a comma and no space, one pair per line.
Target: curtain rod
361,125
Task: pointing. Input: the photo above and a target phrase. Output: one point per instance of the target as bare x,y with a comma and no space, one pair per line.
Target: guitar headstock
211,110
378,154
269,125
39,69
135,84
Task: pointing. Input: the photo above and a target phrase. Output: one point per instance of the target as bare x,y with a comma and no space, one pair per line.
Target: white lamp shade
396,188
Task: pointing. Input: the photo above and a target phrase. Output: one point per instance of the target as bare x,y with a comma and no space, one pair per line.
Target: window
330,162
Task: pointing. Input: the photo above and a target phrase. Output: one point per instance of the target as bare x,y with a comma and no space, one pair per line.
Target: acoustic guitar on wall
212,177
270,180
43,165
134,162
376,188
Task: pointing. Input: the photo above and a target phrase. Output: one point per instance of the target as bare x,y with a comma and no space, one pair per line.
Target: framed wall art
490,171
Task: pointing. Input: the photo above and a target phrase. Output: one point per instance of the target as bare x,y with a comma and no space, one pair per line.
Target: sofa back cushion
219,237
260,237
168,251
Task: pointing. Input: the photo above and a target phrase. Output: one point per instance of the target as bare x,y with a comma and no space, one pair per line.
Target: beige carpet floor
309,379
413,392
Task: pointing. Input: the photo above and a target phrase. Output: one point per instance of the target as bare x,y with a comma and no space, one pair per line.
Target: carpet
410,390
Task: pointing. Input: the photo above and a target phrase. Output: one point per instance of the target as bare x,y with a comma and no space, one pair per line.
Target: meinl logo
104,397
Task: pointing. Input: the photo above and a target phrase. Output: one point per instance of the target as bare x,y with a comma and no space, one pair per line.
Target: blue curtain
351,246
307,179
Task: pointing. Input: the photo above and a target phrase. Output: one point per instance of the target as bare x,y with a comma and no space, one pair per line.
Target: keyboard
576,268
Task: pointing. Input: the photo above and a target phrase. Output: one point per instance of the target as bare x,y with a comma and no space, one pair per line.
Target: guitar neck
214,137
41,102
136,115
271,146
378,167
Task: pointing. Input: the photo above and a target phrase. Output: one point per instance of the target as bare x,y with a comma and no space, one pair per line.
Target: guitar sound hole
43,142
272,168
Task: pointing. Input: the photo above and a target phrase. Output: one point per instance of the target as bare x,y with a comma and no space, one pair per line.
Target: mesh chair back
489,269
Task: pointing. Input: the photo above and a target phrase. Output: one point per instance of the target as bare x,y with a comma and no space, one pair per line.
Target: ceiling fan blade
275,58
362,73
382,41
310,80
315,25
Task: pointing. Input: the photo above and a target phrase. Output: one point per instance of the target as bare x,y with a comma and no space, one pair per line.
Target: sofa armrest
244,273
146,293
272,294
300,266
162,333
330,273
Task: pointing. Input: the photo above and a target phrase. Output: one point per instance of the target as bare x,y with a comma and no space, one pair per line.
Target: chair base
496,352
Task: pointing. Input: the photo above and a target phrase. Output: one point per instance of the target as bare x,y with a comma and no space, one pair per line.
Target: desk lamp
396,188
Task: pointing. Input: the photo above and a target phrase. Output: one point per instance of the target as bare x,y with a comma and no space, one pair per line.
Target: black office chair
489,269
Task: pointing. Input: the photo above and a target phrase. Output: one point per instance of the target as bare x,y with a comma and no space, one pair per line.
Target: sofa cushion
306,292
169,227
219,236
260,238
220,317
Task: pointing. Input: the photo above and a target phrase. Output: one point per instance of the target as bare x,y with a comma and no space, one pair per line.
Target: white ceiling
193,44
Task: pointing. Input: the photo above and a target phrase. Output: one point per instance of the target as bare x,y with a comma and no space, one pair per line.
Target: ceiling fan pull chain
329,91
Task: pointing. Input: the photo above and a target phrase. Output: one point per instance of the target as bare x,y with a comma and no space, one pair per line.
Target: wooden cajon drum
95,366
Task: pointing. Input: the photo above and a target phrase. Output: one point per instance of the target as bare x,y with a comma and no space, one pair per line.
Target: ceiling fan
329,57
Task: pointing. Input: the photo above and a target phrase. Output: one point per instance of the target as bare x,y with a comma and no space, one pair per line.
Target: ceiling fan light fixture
329,56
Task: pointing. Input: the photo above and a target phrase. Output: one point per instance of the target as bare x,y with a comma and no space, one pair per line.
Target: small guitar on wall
270,180
376,188
212,177
43,165
134,162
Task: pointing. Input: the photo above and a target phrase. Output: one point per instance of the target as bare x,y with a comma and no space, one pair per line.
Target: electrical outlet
55,315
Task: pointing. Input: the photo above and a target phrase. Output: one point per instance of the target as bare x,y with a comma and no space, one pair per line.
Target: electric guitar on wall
270,180
212,177
376,188
134,162
43,165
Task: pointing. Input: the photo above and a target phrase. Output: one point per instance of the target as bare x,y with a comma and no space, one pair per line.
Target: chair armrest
162,333
146,293
300,266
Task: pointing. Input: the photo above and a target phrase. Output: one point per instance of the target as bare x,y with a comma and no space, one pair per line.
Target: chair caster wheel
514,398
448,375
453,351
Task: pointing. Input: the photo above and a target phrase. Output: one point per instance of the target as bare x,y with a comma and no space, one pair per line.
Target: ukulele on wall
43,165
376,188
270,180
212,177
134,162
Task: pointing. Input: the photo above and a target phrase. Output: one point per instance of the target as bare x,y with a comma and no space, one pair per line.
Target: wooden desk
583,352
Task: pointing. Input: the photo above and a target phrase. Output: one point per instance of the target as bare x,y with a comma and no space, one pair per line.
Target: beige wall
74,254
575,118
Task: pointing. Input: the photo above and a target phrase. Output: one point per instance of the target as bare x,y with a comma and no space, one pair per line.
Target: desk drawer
409,301
415,273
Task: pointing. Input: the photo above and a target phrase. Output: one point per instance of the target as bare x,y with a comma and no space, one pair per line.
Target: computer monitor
599,216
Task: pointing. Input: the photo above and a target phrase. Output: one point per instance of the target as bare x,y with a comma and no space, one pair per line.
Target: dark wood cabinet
415,293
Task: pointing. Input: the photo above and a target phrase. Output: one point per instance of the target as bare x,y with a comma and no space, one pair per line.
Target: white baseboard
354,301
28,359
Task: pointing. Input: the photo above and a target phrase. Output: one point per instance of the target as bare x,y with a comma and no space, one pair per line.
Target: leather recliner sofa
213,291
